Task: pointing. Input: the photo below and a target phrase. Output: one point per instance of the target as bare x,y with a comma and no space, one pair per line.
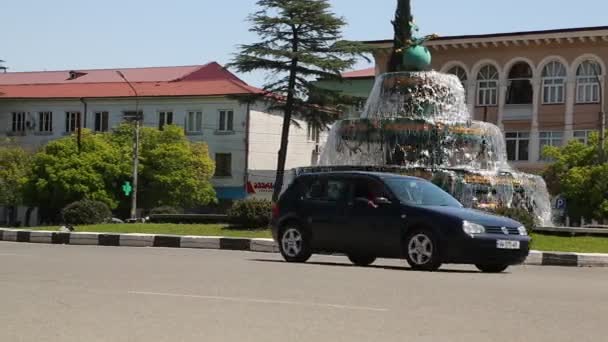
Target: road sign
127,188
560,203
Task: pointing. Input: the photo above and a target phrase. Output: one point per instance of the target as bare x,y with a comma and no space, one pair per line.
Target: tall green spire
403,24
409,54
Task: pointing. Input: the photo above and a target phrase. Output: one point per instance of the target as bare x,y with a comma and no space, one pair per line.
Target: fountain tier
417,123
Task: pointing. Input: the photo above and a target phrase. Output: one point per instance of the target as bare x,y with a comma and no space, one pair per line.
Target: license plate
507,244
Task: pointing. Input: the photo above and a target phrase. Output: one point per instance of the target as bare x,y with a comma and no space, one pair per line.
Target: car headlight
522,230
472,228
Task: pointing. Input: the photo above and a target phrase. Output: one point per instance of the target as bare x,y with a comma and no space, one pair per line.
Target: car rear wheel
422,250
294,244
361,259
493,268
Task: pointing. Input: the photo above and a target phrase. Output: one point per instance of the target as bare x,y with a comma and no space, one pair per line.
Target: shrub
85,212
164,210
521,215
251,213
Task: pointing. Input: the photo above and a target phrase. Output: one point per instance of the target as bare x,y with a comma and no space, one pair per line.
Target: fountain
416,123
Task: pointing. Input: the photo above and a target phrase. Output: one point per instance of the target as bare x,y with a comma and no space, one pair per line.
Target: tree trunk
278,183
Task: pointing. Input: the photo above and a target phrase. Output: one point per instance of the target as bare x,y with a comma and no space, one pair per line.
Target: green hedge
251,213
164,210
85,212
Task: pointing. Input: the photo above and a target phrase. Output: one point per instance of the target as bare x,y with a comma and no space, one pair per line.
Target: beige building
541,88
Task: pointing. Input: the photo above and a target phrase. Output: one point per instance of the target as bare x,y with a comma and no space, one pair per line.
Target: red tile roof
369,72
202,80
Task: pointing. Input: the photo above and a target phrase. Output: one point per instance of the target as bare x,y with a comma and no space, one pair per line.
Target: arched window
554,79
459,72
487,86
520,88
587,82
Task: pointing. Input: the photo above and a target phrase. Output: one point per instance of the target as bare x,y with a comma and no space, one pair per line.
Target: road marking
261,301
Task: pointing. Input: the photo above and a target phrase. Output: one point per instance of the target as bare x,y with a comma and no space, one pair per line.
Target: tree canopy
14,169
299,41
173,171
577,175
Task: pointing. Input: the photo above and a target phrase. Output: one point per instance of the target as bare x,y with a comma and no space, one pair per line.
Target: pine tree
300,41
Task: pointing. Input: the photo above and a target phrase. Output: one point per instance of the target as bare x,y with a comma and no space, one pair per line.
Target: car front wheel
493,268
422,250
294,244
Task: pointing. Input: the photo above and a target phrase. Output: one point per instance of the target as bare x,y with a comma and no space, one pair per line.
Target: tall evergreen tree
300,41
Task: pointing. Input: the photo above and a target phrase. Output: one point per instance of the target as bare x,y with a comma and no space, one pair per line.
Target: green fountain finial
409,54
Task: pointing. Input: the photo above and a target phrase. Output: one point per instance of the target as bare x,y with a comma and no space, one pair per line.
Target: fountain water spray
416,122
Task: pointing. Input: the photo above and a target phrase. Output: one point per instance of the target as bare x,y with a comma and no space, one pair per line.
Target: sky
85,34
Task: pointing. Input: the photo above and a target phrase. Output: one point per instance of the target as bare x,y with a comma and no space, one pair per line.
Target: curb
536,258
139,240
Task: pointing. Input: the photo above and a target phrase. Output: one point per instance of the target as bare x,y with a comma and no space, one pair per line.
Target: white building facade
243,139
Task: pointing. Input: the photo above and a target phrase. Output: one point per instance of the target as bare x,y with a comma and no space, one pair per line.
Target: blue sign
560,203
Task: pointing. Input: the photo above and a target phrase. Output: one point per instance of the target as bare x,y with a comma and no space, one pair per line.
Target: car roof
379,175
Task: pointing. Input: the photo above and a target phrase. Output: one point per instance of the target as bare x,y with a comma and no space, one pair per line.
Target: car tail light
275,210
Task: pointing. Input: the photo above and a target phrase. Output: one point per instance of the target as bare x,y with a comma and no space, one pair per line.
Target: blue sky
79,34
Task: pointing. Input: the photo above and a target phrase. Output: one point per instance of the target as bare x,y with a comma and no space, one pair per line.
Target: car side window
337,190
333,190
369,189
316,190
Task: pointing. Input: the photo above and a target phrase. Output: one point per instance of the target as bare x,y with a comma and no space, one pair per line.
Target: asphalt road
72,293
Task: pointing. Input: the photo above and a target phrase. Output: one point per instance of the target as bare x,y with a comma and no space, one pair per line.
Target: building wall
218,142
567,117
264,143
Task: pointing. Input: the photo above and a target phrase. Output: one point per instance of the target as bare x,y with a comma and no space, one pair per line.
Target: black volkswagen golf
376,215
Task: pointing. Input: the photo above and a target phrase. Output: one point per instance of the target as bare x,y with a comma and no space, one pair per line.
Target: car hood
476,216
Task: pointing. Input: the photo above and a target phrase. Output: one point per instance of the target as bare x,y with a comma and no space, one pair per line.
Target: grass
578,244
583,244
171,229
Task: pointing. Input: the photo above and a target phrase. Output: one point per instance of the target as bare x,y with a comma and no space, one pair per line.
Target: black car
376,215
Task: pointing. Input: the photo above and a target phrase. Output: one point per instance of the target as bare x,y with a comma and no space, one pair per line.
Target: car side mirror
382,201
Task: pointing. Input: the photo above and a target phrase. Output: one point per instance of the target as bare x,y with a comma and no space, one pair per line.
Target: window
554,78
332,190
587,82
583,136
101,121
226,121
487,86
520,88
164,118
460,73
316,191
312,133
549,139
517,146
194,122
45,122
223,165
72,121
18,121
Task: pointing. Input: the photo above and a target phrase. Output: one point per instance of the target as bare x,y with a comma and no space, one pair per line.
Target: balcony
517,112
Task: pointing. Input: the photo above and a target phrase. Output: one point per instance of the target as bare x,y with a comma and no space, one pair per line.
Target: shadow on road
337,264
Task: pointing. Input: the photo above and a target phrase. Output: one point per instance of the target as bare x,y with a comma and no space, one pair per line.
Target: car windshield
418,192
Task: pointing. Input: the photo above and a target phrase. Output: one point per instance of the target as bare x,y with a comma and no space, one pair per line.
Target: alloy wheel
420,249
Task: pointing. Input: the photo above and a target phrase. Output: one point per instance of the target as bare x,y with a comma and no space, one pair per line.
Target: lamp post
135,148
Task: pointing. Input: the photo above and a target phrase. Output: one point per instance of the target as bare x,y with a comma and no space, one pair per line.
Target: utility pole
135,148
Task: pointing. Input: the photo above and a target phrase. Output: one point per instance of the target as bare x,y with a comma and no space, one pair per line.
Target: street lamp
135,148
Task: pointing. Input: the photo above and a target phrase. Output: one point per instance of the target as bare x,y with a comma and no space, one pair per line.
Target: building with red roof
243,139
